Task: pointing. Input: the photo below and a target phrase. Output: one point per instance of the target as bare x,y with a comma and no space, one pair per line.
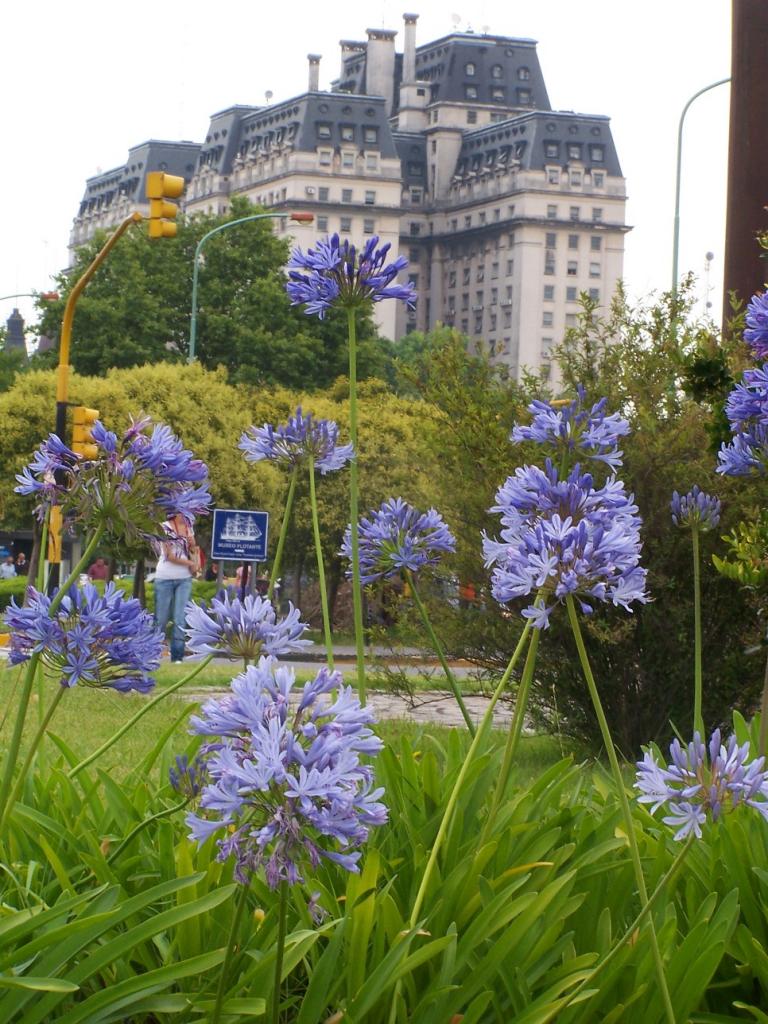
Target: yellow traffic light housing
82,432
160,188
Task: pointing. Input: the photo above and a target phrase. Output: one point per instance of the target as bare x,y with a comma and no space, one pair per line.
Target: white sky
82,81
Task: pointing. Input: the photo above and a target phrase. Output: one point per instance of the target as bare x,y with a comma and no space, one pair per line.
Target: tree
137,308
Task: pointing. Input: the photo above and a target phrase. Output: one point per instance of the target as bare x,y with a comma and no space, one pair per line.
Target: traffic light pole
304,218
62,380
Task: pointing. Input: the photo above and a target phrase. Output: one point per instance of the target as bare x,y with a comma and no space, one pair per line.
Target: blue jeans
171,600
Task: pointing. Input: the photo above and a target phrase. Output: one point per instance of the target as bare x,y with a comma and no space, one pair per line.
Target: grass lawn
87,718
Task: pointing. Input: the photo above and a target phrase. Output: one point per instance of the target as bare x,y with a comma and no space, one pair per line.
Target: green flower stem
145,823
281,932
138,715
610,956
320,566
622,794
698,721
763,738
283,533
12,754
40,585
357,589
513,737
36,740
237,917
439,651
453,800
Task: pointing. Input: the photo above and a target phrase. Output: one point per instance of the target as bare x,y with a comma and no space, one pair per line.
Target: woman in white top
177,563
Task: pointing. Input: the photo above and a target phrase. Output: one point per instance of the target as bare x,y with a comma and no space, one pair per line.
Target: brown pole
746,217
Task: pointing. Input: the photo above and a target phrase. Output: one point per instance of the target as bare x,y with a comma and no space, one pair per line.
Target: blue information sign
240,535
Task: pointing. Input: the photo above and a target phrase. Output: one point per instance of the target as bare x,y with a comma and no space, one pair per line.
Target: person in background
8,569
22,565
99,570
212,572
177,563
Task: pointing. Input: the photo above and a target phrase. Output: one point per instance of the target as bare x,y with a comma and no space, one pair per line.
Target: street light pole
676,233
304,218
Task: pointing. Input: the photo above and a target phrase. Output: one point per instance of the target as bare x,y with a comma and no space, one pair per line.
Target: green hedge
201,591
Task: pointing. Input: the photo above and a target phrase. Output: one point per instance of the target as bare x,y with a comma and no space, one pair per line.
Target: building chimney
349,47
409,48
314,72
380,65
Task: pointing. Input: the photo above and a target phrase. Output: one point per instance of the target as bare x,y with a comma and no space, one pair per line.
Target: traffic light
82,432
160,188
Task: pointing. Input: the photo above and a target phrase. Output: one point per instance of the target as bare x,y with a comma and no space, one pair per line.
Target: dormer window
470,92
524,74
470,70
497,71
574,151
323,131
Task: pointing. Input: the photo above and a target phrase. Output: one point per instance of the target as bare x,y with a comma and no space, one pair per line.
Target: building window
598,178
595,243
471,117
597,213
493,321
370,198
415,227
478,323
325,157
415,196
597,154
414,255
523,74
553,176
497,93
465,326
469,70
465,275
575,212
369,226
524,97
574,151
494,296
464,301
594,294
571,320
575,177
594,270
322,223
346,223
507,318
549,293
573,268
322,194
346,195
549,265
478,300
480,275
552,150
511,213
573,241
494,270
551,212
470,92
370,134
508,293
468,221
371,162
482,217
571,295
414,280
347,159
497,71
323,131
547,318
451,278
550,239
347,133
496,216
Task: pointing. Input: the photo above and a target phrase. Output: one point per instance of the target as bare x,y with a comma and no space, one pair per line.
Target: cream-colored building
450,151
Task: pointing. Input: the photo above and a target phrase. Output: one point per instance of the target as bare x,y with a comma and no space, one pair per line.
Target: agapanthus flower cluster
133,485
581,431
756,332
333,272
695,509
187,777
243,629
694,786
292,444
396,537
565,537
747,412
92,639
287,787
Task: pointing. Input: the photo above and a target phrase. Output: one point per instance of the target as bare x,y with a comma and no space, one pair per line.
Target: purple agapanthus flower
335,273
565,537
92,639
756,333
396,537
243,629
134,484
695,509
575,428
287,788
187,777
694,786
294,442
747,412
